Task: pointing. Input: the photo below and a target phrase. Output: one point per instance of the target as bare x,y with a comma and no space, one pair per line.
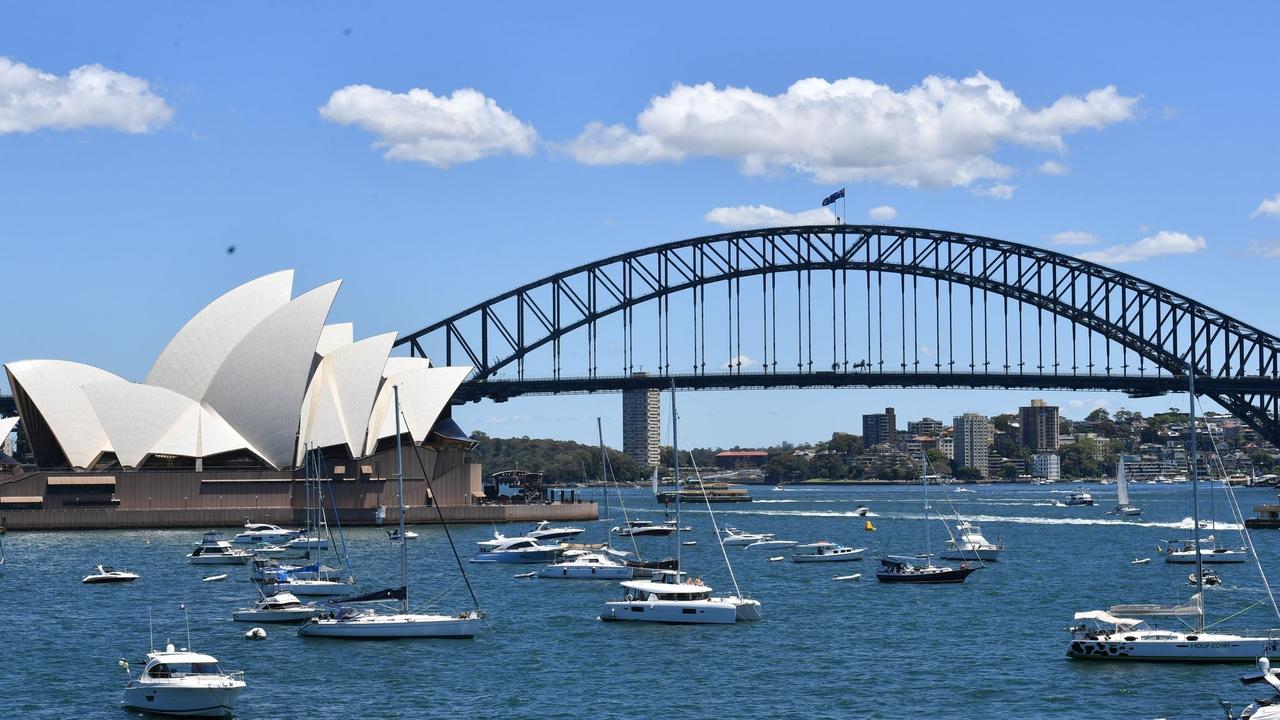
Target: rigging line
714,526
956,513
608,464
1239,517
440,514
337,519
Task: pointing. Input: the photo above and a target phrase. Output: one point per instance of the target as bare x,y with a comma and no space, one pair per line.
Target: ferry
1266,516
716,492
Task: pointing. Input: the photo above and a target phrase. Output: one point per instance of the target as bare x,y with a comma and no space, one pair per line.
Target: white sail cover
260,386
1195,606
192,358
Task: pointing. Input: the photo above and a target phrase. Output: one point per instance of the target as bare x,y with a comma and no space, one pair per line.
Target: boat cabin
667,585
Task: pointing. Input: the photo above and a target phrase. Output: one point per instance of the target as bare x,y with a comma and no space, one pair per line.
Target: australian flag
833,197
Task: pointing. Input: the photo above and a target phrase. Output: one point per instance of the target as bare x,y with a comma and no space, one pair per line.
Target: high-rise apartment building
973,438
1039,425
924,426
879,428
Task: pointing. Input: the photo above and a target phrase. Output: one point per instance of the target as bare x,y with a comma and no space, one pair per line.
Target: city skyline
200,168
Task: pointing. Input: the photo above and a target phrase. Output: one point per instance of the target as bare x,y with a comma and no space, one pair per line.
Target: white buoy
855,576
256,634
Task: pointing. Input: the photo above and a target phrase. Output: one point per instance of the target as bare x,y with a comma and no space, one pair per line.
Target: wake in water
1184,524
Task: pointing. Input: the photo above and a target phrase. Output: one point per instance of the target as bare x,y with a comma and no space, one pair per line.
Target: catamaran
356,623
1119,633
671,597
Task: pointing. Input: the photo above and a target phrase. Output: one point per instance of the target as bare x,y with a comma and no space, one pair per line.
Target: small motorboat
1208,577
214,578
279,608
826,552
734,537
776,558
855,576
214,550
108,574
863,511
394,535
1079,499
179,682
255,634
523,575
965,490
689,542
1140,561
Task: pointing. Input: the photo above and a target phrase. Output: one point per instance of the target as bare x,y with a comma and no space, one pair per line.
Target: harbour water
992,647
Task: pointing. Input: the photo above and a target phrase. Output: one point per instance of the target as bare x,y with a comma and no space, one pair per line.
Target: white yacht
672,598
108,574
263,534
1116,634
364,624
279,608
1184,552
640,528
969,543
178,682
546,531
519,550
733,537
582,565
1081,498
826,552
214,550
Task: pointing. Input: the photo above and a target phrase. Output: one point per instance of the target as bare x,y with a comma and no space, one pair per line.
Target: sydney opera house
217,430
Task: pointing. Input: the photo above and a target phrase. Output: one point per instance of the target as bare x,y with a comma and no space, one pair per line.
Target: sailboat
670,597
355,623
1119,633
317,579
1123,506
920,569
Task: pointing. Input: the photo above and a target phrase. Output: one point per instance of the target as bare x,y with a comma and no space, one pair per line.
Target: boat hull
182,701
390,627
553,572
949,576
275,616
685,612
838,557
1173,647
1209,558
976,554
219,559
541,556
322,588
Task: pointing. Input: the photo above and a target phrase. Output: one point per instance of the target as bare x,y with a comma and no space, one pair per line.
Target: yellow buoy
870,527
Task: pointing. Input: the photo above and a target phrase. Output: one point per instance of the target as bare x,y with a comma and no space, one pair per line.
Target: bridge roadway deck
501,389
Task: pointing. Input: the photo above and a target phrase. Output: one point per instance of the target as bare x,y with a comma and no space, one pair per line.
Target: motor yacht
826,552
519,550
282,607
970,544
264,533
547,531
639,528
671,598
1079,499
911,570
1184,552
733,537
214,550
108,574
580,565
178,682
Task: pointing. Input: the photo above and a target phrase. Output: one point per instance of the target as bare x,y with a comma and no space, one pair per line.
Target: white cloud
90,96
754,216
1162,243
883,212
737,360
1270,206
999,192
1050,167
941,132
1269,249
1073,237
438,130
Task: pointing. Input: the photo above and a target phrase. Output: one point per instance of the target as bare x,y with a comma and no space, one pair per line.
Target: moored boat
183,683
824,551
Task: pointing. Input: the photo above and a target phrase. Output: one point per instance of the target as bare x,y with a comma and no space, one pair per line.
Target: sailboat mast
404,548
675,447
604,489
1195,494
924,482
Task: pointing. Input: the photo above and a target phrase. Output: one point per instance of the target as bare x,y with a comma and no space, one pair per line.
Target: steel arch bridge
981,312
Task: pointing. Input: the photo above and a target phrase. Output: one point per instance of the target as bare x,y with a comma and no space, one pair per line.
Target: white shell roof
260,386
6,426
141,420
192,358
423,396
340,398
335,336
54,386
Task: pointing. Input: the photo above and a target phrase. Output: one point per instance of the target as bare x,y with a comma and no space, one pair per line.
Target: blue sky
116,216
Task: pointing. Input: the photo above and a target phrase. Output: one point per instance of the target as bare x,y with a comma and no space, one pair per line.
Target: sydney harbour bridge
854,306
